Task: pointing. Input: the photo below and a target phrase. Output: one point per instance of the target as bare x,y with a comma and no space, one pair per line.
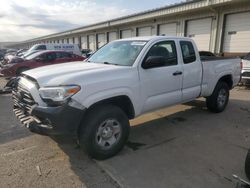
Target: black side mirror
153,61
39,59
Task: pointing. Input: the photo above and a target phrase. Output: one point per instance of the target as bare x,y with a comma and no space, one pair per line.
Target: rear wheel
104,132
218,101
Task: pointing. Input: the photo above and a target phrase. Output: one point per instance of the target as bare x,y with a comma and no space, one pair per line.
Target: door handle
177,73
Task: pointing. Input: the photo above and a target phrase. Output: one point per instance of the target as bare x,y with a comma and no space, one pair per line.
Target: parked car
74,48
245,69
16,59
38,59
122,80
21,52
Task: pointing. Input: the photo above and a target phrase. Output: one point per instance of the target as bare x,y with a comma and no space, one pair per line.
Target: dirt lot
181,146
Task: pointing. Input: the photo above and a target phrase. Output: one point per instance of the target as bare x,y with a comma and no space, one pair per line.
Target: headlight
58,94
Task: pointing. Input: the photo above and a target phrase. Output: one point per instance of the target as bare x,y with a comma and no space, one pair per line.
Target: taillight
241,65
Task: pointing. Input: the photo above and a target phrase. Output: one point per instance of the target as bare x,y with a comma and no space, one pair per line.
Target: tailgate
245,64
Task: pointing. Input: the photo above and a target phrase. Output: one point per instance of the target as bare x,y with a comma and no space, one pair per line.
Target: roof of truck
148,38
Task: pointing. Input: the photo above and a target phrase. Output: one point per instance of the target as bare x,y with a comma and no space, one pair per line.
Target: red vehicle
38,59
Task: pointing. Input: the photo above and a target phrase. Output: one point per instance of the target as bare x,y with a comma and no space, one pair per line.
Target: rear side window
41,47
63,55
188,52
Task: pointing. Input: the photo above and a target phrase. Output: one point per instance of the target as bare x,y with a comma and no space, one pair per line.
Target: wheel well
122,102
228,80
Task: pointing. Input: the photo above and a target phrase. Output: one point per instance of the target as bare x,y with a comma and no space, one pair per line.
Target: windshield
32,55
33,48
38,47
28,54
122,53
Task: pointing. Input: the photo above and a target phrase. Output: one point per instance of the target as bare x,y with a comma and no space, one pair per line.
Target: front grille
23,103
246,74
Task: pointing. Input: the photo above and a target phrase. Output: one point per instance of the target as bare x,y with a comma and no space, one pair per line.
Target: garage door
145,31
70,40
237,33
76,40
168,29
84,42
92,42
112,36
101,40
200,31
126,33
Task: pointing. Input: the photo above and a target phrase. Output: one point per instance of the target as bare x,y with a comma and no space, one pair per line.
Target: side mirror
39,59
153,61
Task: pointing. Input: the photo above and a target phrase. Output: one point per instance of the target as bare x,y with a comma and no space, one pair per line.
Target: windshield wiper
107,63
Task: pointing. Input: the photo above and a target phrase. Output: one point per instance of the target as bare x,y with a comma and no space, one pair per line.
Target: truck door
161,82
192,74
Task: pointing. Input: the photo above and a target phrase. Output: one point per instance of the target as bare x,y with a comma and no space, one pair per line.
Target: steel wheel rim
222,97
108,133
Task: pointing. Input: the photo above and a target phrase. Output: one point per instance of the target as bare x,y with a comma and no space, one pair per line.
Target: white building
220,26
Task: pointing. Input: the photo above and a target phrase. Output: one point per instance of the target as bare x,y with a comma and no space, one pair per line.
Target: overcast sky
25,19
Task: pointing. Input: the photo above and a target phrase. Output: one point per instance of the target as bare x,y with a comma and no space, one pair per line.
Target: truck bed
216,67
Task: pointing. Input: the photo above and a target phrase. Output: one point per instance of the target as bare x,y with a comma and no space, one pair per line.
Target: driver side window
165,50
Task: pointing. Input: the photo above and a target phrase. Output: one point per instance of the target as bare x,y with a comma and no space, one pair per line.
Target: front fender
107,94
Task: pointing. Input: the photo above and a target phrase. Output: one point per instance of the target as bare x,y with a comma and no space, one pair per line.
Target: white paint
126,33
101,40
145,31
84,42
112,36
148,89
200,31
71,41
76,40
92,44
168,29
237,33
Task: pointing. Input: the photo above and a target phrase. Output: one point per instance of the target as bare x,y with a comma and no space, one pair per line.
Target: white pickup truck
122,80
245,73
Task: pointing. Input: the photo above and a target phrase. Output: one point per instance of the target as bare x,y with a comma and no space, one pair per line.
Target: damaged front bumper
56,120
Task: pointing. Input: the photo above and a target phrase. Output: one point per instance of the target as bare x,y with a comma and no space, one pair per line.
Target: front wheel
105,131
218,101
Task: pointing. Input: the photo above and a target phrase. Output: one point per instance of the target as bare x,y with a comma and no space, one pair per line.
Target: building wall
191,12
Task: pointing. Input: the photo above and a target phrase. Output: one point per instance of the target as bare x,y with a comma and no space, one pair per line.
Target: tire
218,101
247,165
104,131
20,70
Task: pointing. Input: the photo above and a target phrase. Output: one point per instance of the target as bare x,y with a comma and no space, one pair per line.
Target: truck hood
70,73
